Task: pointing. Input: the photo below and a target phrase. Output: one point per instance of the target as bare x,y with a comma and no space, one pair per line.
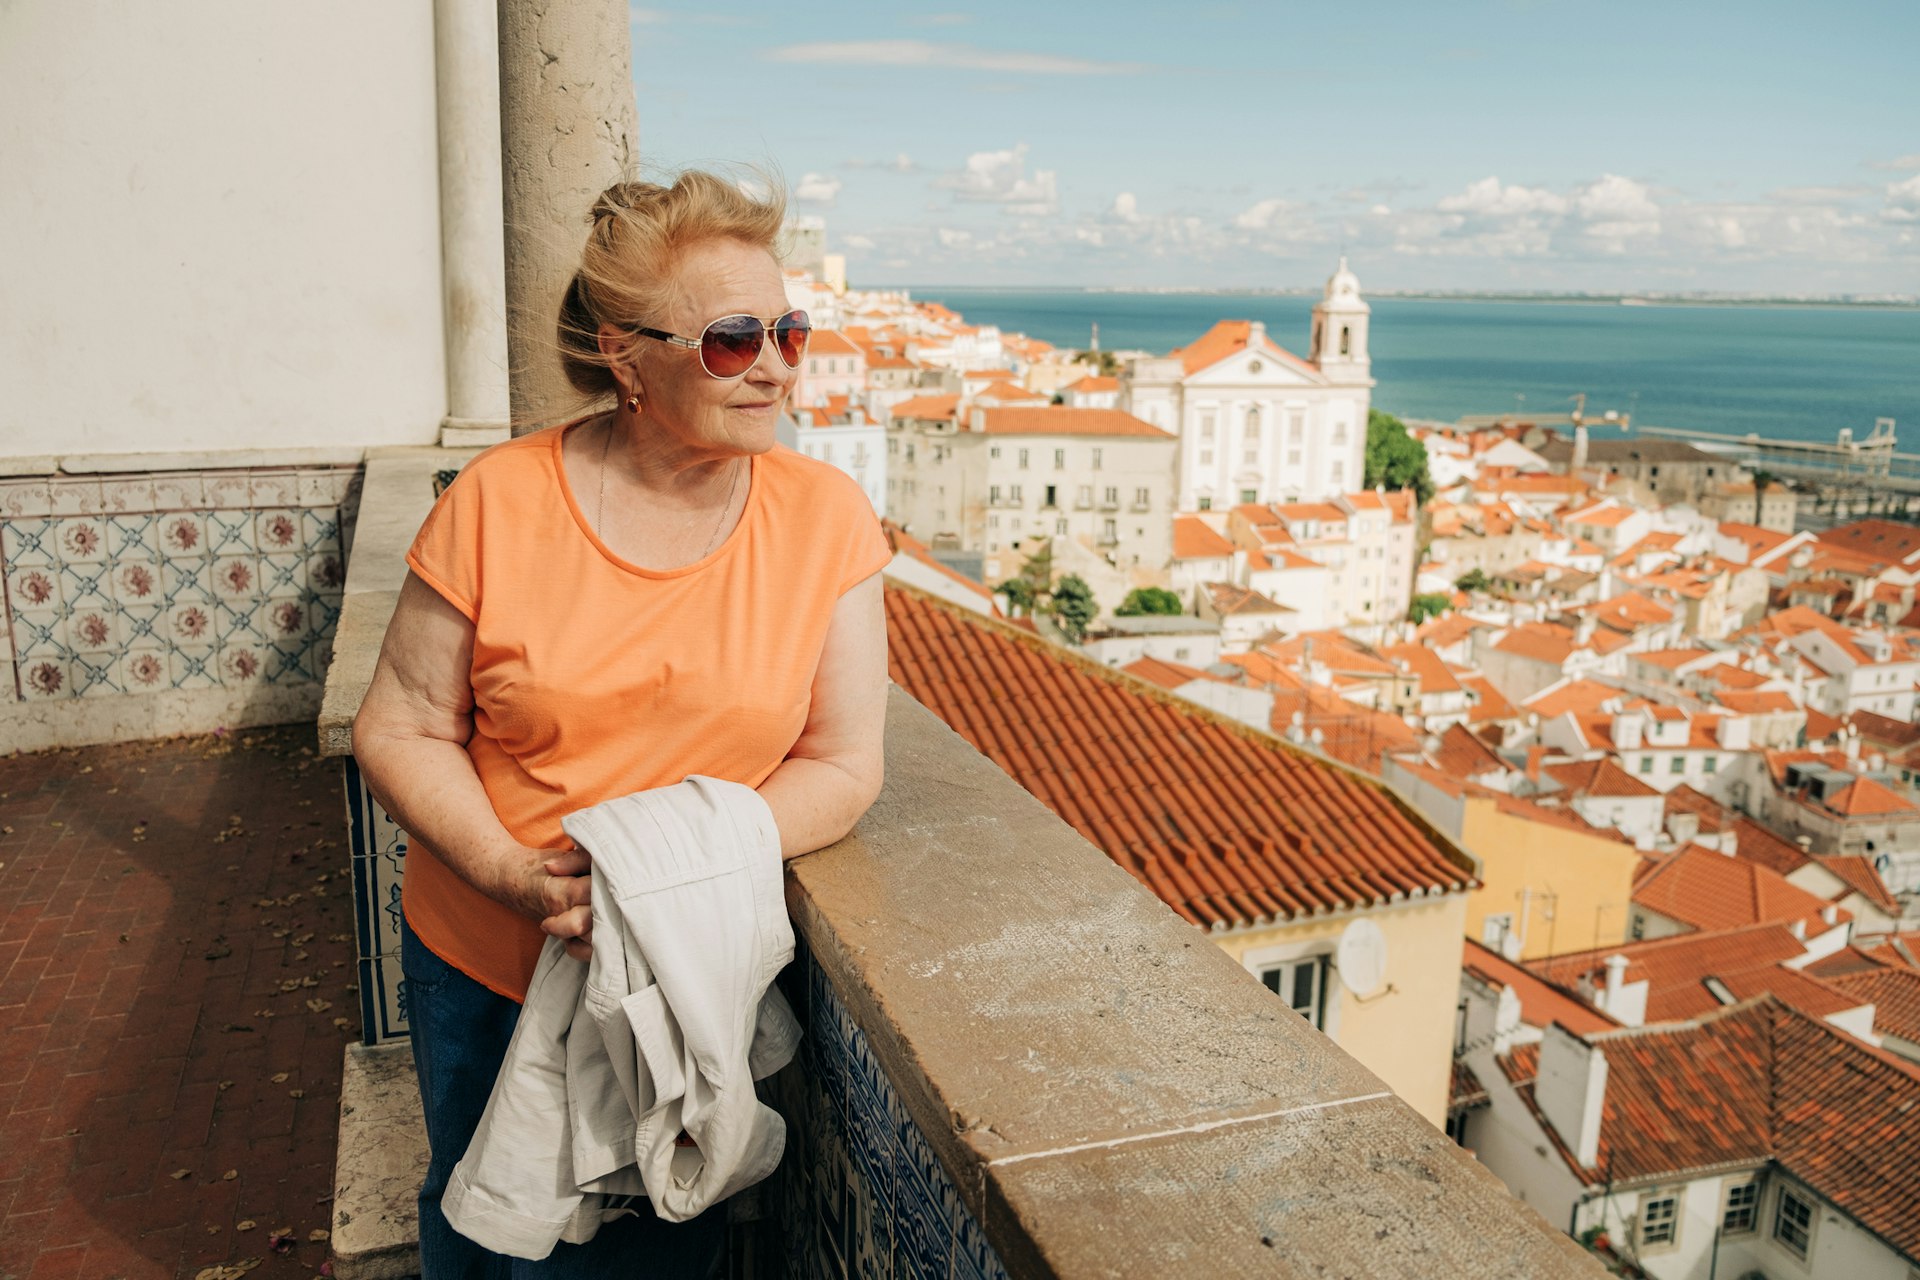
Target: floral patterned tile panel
174,580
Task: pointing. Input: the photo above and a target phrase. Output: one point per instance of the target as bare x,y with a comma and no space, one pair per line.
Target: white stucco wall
221,227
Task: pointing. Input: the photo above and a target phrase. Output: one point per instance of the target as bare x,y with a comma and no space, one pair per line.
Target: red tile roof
938,408
1228,826
831,342
905,543
1706,890
1167,675
1194,539
1676,969
1894,992
1600,777
1867,798
1226,338
1062,421
1859,875
1885,540
1752,1083
1462,755
1541,1003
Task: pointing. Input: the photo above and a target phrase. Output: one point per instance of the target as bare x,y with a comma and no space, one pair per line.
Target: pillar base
381,1163
471,433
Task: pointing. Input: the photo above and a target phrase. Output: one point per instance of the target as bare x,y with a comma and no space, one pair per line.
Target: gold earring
633,403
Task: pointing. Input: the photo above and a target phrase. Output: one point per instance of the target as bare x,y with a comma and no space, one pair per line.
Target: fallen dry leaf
229,1175
296,1093
225,1085
317,1005
178,1174
342,1023
280,1078
245,1224
318,1234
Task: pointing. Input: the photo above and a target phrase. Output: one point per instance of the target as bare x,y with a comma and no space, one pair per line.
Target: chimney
1571,1091
1579,447
1830,913
1535,754
1616,974
1583,630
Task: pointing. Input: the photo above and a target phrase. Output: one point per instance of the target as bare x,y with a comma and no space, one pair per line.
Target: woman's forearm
815,802
430,788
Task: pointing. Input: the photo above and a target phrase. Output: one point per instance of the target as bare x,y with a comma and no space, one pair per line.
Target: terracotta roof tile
1598,777
1541,1002
1859,875
937,408
1894,992
1753,1083
1227,338
1061,421
1706,890
1228,826
1676,968
1195,539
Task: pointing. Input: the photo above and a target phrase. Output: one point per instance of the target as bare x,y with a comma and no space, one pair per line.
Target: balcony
1109,504
1018,1063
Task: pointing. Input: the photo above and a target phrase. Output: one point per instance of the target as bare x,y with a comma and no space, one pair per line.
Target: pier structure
1846,479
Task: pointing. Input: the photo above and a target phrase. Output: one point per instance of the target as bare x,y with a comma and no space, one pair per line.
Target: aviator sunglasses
729,346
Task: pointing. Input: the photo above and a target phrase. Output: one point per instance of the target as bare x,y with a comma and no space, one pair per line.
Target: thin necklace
600,505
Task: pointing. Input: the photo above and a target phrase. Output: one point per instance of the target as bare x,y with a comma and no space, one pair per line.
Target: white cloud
1617,210
951,238
925,53
1262,216
857,241
1126,208
1488,198
1000,177
816,188
1898,163
1903,201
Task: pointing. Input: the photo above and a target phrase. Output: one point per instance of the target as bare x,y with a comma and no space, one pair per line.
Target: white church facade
1257,423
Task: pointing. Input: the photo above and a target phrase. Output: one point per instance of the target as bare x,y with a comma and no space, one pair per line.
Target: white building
833,366
1001,481
1257,423
851,440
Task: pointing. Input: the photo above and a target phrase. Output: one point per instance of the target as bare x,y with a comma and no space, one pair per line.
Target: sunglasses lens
730,345
790,334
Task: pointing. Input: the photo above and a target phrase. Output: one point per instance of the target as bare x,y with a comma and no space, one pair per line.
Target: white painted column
472,244
568,130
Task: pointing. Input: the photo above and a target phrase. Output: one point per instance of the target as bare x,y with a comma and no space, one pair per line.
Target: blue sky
1476,144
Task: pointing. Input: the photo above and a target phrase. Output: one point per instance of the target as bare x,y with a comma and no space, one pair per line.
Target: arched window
1253,424
1346,340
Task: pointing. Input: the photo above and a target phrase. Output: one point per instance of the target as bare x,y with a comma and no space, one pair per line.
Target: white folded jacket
663,1032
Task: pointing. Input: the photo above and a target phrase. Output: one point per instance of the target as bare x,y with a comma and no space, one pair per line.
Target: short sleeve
867,548
446,552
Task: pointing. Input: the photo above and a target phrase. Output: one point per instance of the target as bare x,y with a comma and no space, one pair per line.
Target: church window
1253,423
1207,418
1346,340
1206,504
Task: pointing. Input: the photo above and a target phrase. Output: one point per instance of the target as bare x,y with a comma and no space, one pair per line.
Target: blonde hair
626,271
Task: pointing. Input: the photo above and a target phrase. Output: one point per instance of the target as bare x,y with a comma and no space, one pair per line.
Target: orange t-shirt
593,678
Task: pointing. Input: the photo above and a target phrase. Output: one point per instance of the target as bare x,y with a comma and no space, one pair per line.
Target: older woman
606,606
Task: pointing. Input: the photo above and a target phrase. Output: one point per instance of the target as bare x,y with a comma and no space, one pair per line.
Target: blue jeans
460,1031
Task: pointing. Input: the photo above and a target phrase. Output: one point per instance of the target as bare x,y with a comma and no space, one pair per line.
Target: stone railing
1018,1061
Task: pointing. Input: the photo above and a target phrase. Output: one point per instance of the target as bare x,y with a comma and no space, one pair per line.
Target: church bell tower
1339,344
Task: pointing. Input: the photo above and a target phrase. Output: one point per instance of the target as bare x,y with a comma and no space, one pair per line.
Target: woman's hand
556,890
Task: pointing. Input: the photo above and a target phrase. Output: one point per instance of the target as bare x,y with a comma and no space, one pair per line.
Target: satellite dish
1361,957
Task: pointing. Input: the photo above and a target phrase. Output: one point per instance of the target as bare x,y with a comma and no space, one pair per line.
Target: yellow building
1549,882
1403,1032
1320,881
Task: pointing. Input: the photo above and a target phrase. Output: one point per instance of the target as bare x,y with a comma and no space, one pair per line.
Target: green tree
1019,594
1394,458
1149,600
1762,481
1105,362
1074,607
1427,606
1474,579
